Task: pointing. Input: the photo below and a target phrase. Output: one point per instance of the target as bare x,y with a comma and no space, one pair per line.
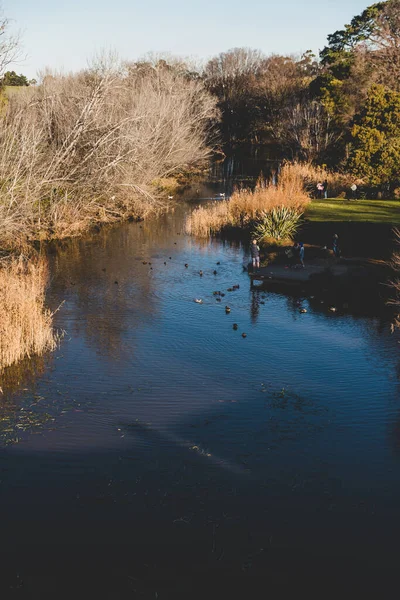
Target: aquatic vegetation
246,207
25,324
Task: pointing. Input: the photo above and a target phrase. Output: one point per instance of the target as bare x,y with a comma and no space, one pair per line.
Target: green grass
366,211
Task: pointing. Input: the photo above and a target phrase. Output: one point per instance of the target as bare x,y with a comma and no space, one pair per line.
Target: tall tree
11,78
375,150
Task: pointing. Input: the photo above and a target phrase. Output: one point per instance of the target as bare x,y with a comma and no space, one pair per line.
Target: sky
64,34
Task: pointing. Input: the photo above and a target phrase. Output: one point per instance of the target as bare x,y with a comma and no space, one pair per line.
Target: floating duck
244,335
229,290
235,326
201,273
186,265
165,263
219,300
198,301
218,263
222,295
332,309
303,310
144,262
215,272
236,287
227,309
170,258
262,302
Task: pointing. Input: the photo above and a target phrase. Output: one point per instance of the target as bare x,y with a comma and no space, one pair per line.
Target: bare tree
10,45
305,129
77,148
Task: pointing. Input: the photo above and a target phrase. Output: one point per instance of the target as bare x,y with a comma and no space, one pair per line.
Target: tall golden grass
25,324
338,183
246,206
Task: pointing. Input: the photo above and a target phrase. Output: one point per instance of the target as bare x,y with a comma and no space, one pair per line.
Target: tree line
340,109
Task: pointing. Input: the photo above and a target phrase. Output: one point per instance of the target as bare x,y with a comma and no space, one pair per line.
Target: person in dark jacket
335,245
255,254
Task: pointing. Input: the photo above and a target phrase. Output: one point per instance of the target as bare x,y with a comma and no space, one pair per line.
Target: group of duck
219,295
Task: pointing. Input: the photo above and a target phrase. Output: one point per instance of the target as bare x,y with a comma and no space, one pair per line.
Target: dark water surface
169,457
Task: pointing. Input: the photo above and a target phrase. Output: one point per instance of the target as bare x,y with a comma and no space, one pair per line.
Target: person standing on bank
325,184
301,254
354,191
255,254
320,189
335,246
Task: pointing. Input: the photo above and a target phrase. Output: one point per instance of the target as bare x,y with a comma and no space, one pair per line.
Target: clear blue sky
65,33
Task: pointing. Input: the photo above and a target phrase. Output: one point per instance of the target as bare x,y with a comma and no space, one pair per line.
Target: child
255,254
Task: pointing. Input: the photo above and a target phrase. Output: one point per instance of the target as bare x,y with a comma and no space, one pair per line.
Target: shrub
83,148
280,223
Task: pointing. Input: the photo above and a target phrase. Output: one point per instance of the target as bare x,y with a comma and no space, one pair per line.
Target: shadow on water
175,458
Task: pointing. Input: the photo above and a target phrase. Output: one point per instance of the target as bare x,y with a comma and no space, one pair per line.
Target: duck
215,272
198,301
145,262
219,300
244,335
229,290
165,262
236,287
116,282
201,273
222,195
235,326
186,265
303,310
332,308
218,263
227,309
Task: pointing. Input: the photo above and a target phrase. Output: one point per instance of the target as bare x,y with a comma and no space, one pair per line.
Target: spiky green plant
280,223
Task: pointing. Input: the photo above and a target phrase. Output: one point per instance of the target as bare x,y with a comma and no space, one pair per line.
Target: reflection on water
165,430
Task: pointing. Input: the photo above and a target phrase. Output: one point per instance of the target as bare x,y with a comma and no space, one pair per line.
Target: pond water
158,452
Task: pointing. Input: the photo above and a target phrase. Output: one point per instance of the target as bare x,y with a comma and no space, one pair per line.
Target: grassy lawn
372,211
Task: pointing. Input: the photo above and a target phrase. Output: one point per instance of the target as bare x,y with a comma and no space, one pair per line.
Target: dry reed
338,183
247,206
25,324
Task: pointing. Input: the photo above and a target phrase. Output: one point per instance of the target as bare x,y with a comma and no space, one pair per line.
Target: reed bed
246,207
25,324
338,183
